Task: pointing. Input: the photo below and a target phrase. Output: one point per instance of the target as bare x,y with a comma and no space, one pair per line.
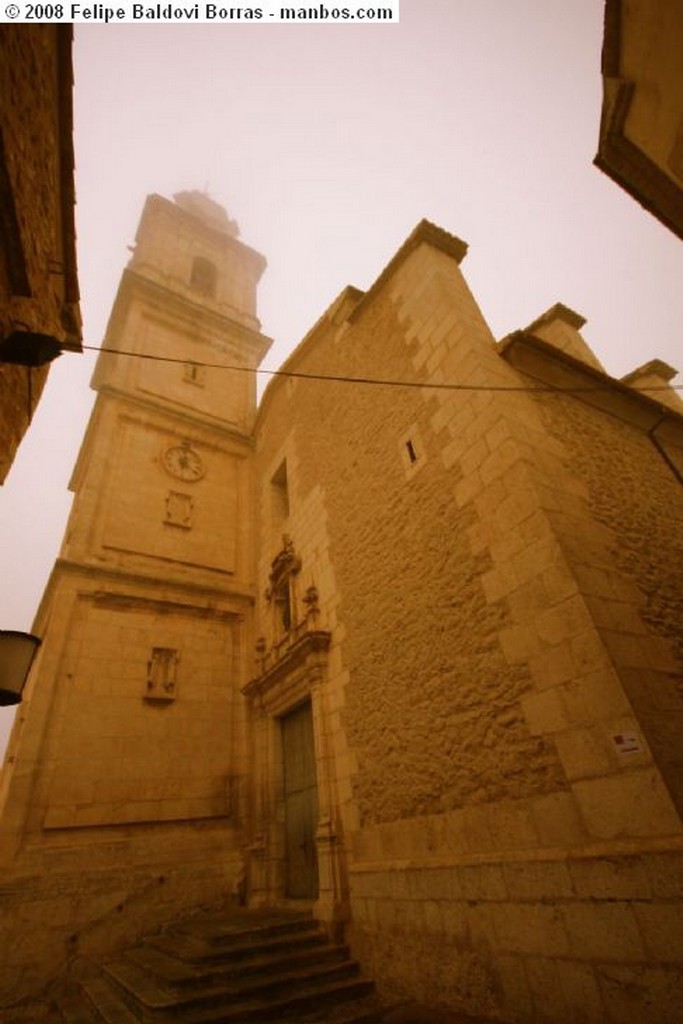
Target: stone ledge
563,374
618,848
309,645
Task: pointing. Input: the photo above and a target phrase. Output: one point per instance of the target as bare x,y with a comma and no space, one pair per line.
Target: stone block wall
624,543
640,139
171,236
477,670
431,701
482,723
594,938
136,718
206,539
32,65
79,898
38,285
121,801
20,391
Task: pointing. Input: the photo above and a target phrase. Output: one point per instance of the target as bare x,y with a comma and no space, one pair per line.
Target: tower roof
200,205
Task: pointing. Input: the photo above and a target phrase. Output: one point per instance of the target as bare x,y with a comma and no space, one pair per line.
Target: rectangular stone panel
184,505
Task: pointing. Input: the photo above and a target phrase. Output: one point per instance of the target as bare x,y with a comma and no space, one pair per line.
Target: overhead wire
377,381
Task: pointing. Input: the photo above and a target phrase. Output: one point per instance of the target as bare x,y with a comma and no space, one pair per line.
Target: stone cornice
656,367
558,370
425,233
199,421
558,312
101,582
352,301
218,236
178,305
128,576
619,157
298,656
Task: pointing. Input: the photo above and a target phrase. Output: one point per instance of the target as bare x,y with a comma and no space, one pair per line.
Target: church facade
403,645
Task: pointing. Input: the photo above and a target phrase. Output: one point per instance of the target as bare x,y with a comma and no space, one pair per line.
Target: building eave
67,188
425,233
618,156
353,301
558,371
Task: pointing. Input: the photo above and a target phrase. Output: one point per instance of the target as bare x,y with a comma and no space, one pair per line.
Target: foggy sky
327,145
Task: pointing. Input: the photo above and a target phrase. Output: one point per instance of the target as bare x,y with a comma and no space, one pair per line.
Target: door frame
271,697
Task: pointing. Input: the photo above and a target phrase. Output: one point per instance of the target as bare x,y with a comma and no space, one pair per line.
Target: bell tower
162,478
128,750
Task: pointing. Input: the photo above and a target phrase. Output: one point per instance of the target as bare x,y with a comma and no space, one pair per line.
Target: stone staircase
241,967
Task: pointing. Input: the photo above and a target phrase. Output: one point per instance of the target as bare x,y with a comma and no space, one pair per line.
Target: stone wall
640,138
592,938
126,746
635,495
88,898
38,285
121,804
432,703
475,706
20,391
122,794
476,669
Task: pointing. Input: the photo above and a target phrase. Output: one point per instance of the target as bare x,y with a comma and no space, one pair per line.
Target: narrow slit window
412,454
411,451
280,495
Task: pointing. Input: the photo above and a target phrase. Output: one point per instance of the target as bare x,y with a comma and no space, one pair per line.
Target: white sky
327,145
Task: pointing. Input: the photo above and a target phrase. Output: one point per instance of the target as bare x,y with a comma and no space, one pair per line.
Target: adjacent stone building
641,126
402,645
39,310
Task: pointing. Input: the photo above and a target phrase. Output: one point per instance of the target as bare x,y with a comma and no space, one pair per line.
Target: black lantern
17,651
29,348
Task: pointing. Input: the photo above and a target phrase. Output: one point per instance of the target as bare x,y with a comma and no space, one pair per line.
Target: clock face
183,462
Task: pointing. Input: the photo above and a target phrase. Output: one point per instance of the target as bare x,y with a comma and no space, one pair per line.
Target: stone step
193,949
102,1000
246,927
146,996
178,974
305,1005
366,1010
74,1010
237,968
347,1001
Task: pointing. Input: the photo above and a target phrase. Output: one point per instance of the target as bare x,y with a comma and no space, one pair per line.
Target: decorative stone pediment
302,652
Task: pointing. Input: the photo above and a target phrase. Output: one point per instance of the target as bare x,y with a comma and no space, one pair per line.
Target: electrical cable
377,381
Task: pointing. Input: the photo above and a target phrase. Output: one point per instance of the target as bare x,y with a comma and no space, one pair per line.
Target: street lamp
17,651
29,348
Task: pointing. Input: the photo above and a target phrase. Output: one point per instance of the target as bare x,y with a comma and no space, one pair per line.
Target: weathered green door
301,803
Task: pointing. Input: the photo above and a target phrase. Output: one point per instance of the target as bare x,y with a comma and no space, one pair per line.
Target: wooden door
301,804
